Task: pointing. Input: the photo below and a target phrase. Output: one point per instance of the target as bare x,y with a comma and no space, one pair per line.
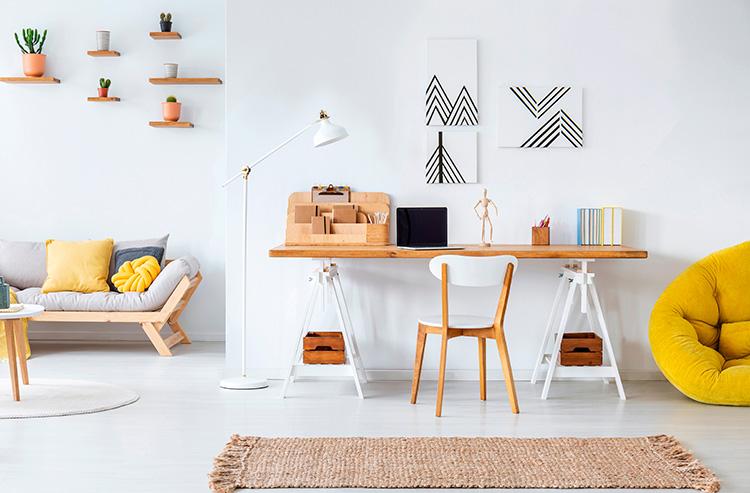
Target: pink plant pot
33,64
171,111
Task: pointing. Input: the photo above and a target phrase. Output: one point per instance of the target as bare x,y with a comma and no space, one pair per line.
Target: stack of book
600,226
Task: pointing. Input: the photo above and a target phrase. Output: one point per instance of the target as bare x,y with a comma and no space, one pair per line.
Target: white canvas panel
538,117
451,157
451,83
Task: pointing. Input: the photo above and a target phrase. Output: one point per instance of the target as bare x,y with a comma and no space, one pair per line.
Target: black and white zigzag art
441,111
454,158
451,82
540,117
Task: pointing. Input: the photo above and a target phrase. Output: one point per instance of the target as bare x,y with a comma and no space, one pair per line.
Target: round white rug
46,397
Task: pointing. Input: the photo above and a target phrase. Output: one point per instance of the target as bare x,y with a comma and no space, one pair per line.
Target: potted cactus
166,22
104,87
170,110
33,60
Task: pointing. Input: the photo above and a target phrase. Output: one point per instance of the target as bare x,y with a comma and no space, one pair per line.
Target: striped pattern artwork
540,117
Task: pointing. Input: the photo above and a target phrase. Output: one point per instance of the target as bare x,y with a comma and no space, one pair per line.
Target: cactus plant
105,83
171,99
31,38
165,18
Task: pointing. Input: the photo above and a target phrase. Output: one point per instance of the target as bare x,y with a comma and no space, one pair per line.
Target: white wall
665,89
76,170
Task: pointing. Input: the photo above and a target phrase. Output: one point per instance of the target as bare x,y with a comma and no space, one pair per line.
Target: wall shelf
171,124
103,53
170,35
187,80
29,80
103,99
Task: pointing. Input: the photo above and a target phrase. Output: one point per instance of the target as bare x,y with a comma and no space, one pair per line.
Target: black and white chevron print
558,126
441,111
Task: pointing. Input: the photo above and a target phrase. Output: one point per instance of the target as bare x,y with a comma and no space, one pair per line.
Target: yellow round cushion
700,329
136,275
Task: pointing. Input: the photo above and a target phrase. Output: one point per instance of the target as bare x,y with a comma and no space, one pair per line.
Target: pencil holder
539,235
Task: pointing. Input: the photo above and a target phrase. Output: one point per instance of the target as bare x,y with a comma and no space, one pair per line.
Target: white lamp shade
329,133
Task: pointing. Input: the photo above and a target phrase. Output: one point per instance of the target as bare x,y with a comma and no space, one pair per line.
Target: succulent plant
166,17
31,39
171,99
105,83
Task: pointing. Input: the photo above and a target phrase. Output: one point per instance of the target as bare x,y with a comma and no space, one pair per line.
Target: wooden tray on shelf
359,233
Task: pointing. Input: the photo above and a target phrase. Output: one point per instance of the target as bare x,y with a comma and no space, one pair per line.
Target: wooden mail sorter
325,225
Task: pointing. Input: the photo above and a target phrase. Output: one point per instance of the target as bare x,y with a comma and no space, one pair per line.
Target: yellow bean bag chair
700,329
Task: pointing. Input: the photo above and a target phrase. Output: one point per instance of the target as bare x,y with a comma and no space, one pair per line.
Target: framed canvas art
451,85
451,157
539,117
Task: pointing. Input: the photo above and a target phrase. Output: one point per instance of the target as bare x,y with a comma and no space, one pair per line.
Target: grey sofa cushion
150,300
121,245
23,264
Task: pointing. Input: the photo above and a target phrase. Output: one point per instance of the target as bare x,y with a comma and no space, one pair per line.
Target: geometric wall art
451,83
540,117
451,157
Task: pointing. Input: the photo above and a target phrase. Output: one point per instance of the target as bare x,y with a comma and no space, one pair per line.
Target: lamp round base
243,383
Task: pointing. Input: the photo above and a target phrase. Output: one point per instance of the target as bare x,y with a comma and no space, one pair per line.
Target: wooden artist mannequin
485,216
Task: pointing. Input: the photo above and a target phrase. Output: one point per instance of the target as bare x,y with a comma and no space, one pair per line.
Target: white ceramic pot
102,40
170,70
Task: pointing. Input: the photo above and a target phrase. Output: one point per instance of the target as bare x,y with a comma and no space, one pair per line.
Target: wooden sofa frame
151,322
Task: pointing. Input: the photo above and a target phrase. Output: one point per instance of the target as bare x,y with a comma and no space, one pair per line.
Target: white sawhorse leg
585,281
326,277
548,332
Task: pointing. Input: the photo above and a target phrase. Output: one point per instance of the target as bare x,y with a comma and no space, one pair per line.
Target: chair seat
459,321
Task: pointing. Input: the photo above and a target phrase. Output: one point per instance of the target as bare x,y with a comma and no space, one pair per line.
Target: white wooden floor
166,441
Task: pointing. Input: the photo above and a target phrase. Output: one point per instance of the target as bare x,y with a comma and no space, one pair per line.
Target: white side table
14,339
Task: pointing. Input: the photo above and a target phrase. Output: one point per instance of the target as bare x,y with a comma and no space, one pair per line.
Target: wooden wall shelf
30,80
103,99
171,124
103,53
160,35
187,80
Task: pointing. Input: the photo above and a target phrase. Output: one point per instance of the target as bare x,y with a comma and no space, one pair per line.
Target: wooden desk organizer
359,233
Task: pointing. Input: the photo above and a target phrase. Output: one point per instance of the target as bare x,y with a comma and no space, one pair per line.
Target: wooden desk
518,251
572,278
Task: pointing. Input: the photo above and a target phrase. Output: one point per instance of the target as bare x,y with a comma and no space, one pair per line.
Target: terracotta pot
33,64
171,111
103,91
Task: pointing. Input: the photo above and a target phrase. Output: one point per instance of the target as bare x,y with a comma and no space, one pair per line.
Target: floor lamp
328,133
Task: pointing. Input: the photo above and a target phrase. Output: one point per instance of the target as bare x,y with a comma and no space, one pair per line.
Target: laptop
423,228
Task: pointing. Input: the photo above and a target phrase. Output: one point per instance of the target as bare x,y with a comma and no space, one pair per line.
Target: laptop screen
422,226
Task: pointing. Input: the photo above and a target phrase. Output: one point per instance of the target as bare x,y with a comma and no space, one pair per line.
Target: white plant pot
170,70
102,40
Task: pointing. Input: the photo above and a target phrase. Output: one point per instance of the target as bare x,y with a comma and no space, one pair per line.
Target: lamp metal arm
246,170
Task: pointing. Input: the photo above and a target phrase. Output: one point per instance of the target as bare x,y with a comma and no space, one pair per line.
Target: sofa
24,266
700,329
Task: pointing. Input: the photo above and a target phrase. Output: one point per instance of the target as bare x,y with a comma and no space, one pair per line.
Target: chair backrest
473,271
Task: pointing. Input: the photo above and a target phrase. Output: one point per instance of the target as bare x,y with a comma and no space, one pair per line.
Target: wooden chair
475,272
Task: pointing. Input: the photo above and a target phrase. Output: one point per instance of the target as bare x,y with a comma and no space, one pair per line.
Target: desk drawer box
580,349
323,348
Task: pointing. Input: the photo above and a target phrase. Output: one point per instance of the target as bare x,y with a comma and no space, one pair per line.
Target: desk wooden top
518,251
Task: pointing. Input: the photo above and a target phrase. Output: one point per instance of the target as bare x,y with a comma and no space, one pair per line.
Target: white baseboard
469,375
112,335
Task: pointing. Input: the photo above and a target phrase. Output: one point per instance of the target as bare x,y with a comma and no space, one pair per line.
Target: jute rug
46,397
642,462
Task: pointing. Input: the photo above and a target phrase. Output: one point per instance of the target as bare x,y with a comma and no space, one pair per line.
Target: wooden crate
323,348
359,233
580,349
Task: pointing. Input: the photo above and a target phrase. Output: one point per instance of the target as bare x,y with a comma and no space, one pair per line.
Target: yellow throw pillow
136,275
80,266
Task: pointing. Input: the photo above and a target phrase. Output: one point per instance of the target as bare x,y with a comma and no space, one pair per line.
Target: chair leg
502,348
482,368
418,359
441,377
